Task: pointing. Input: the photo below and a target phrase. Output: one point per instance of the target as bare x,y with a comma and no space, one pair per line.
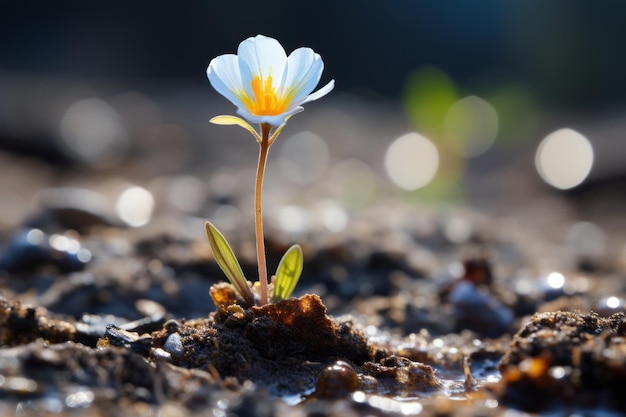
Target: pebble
337,380
174,346
91,327
474,305
131,340
479,311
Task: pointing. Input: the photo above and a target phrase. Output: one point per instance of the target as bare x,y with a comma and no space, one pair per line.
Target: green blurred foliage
428,95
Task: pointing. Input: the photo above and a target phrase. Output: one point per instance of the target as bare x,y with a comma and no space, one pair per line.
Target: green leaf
228,263
233,120
288,273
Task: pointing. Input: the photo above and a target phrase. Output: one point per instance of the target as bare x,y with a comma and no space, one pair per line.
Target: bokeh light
411,161
293,219
471,126
333,217
564,159
135,206
353,182
93,131
586,239
227,216
35,237
304,157
613,302
185,193
555,280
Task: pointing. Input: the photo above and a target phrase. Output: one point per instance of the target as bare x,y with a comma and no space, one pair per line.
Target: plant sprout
267,87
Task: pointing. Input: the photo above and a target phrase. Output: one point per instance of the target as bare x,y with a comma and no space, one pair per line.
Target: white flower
267,86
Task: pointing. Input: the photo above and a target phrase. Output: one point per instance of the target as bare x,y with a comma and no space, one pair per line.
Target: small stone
337,381
130,340
174,345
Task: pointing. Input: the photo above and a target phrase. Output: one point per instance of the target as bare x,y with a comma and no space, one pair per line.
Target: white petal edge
303,72
262,56
225,76
319,93
275,120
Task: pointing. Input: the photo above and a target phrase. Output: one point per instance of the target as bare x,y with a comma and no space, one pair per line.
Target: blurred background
513,108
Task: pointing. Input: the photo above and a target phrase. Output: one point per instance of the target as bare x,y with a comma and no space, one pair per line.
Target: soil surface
402,309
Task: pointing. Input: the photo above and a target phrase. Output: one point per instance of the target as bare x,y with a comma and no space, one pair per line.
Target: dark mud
294,339
405,310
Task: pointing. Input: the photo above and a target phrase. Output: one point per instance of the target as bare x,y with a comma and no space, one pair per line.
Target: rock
140,344
397,375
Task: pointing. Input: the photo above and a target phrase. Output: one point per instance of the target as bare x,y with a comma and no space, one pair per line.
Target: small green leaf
233,120
288,273
228,263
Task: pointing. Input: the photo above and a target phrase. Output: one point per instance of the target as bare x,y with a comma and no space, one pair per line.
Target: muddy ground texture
404,316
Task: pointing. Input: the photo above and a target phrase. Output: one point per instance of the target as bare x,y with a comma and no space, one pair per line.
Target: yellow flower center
266,101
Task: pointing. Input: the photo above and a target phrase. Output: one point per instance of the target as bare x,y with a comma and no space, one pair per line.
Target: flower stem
258,218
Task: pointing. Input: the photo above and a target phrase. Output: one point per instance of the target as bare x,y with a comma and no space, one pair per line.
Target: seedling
267,87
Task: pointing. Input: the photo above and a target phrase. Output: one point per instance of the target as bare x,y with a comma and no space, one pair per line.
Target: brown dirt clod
566,357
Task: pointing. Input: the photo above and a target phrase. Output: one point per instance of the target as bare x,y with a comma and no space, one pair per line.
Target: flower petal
319,93
261,56
224,75
303,72
264,84
275,121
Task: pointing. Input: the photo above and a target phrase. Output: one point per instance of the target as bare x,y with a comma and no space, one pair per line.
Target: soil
407,310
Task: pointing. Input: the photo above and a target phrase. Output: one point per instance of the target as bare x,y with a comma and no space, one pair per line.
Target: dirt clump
566,358
293,338
21,324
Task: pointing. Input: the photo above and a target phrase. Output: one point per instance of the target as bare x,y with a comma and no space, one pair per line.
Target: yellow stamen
266,101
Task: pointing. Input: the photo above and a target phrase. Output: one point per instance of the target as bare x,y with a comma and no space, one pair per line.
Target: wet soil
404,310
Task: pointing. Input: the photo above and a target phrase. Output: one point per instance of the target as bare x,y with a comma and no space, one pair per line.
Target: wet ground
404,308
